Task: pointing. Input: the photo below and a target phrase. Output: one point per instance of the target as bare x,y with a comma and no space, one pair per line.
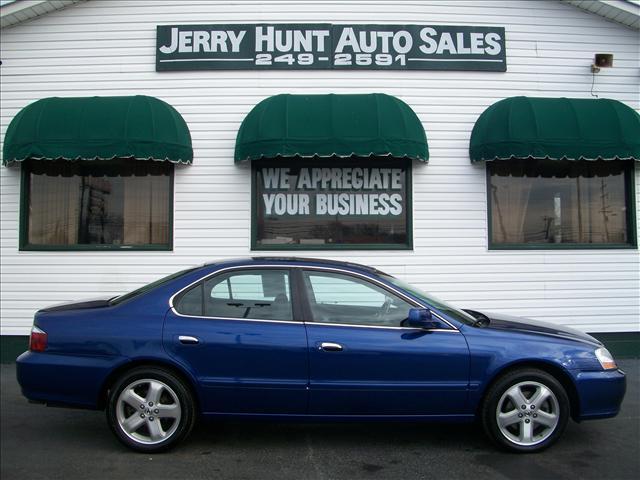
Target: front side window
552,203
252,294
441,305
338,298
114,204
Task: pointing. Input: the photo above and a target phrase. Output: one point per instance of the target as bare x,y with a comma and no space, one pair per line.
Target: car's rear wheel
525,410
150,409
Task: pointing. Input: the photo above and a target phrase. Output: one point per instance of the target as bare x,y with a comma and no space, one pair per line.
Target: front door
363,362
238,333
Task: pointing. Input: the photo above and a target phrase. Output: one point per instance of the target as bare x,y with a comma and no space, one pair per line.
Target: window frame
23,229
358,162
301,307
630,204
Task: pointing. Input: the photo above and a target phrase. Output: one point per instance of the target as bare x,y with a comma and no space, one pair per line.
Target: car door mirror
422,318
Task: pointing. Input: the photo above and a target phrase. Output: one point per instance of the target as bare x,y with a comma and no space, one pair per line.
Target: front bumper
600,393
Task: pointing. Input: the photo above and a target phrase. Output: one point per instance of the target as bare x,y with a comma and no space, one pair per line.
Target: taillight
37,340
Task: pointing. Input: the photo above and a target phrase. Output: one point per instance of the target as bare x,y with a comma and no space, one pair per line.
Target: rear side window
190,303
252,294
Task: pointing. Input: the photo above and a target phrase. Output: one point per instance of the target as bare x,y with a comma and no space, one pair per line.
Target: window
433,301
191,302
254,294
336,298
331,204
556,204
116,204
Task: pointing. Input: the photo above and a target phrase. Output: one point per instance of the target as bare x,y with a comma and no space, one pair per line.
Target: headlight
605,359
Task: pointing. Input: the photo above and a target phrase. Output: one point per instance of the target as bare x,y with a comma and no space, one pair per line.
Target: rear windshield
150,286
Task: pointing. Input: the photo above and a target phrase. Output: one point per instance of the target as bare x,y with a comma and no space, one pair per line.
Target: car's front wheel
525,410
150,409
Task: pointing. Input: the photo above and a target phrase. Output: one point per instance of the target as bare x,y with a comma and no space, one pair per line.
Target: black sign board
326,46
319,204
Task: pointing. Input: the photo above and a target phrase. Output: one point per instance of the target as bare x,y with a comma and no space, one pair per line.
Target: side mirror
422,318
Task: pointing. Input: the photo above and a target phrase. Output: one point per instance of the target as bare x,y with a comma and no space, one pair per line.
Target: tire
150,409
537,425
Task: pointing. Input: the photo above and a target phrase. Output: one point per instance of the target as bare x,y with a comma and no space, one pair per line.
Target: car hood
525,325
99,302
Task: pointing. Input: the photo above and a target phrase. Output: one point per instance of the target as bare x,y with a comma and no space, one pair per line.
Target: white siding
107,48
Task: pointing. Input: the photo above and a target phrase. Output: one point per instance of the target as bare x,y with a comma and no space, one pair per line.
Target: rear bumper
63,379
600,393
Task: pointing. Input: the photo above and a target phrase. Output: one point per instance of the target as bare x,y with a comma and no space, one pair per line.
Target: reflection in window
337,298
261,285
559,202
337,290
258,294
125,203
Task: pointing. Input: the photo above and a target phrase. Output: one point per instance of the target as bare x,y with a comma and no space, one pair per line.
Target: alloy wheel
148,411
527,413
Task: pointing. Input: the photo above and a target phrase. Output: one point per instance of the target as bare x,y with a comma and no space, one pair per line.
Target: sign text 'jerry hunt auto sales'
326,46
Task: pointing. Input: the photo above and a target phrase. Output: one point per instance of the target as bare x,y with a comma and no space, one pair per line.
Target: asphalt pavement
38,442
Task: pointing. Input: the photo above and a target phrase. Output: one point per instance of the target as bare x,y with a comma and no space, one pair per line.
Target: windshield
149,286
435,302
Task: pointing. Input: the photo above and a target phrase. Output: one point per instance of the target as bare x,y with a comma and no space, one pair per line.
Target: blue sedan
308,339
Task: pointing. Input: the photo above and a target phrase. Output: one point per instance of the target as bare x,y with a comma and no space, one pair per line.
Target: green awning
331,126
98,128
556,129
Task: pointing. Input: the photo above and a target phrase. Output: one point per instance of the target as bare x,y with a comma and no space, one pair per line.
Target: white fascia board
624,12
19,5
20,11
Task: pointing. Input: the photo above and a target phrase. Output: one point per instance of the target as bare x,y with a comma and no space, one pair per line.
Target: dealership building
484,151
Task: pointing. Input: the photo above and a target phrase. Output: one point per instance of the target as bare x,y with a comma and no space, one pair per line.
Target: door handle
330,347
188,340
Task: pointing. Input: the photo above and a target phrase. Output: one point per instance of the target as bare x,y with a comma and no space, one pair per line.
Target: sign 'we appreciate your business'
327,203
326,46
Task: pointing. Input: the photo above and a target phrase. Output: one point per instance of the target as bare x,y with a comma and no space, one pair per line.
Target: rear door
242,337
362,361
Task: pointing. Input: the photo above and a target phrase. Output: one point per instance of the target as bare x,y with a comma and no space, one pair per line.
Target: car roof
298,260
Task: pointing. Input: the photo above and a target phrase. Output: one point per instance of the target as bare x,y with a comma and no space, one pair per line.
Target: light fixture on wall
601,60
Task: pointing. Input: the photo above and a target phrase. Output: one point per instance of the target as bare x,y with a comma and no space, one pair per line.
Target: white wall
107,48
